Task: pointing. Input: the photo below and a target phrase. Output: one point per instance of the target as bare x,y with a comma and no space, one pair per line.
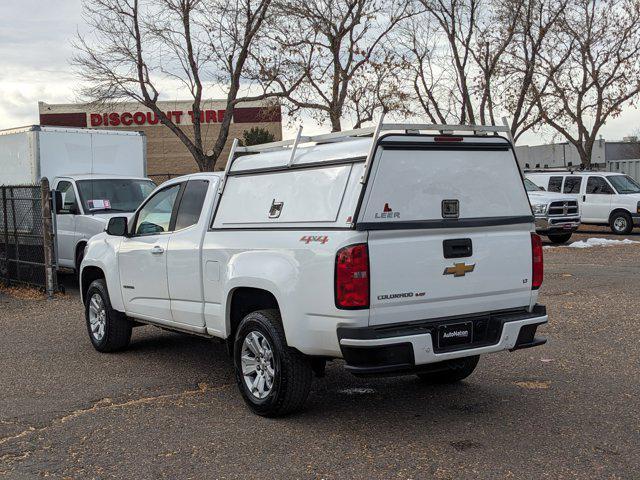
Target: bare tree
485,69
379,88
334,42
536,20
134,46
592,71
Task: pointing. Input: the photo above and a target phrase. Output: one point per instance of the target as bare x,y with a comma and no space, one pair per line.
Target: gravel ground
168,407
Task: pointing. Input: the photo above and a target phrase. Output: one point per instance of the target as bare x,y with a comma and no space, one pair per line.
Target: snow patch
357,391
600,242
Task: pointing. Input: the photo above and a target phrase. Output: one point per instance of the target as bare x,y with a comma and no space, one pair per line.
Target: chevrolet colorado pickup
388,247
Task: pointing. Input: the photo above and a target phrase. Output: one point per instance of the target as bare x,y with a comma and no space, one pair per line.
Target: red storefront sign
115,119
140,118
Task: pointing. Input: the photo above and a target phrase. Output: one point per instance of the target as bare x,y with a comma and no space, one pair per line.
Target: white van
605,198
394,252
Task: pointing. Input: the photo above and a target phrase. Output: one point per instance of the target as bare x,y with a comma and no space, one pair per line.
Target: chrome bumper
567,224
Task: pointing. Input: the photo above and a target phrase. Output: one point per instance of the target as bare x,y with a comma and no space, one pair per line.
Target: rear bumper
557,225
397,349
636,219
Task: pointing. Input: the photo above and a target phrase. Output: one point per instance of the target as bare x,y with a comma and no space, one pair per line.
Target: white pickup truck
394,252
557,215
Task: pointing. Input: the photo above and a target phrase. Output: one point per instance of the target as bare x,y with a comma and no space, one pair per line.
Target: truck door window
69,202
554,184
191,203
572,184
155,216
598,186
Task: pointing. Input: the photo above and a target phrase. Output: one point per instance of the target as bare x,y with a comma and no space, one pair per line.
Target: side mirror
117,226
56,198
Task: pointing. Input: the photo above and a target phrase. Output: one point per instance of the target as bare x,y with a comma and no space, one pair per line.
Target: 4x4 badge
459,269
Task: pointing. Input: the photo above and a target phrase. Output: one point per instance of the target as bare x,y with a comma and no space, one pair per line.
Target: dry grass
22,292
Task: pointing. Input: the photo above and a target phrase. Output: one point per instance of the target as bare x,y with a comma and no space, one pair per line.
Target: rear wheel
450,371
559,238
273,378
109,330
621,223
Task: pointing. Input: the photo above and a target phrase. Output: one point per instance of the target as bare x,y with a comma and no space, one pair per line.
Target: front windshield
624,184
113,195
530,186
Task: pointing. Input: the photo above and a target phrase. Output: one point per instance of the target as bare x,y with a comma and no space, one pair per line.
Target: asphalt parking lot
168,407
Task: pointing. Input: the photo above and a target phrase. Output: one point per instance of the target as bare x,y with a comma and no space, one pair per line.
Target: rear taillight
352,277
536,257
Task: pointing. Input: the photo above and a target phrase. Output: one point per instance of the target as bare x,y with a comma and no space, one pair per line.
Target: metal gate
27,236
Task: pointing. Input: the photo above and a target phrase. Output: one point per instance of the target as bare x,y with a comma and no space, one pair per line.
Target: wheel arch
88,275
80,246
618,210
243,300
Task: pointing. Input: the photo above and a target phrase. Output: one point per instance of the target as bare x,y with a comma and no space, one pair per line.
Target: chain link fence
27,237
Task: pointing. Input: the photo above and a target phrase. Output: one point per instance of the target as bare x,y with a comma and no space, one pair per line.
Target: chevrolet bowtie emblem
459,269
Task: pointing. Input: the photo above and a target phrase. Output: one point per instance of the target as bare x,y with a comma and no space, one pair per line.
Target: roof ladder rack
295,147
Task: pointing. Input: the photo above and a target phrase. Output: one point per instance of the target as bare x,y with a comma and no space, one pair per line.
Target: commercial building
166,154
565,155
558,155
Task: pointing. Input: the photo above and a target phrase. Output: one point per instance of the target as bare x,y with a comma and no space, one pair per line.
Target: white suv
605,198
394,252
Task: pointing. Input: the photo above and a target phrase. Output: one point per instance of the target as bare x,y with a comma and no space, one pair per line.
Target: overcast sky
35,48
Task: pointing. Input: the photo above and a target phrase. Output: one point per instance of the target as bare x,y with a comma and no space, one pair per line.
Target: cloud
35,48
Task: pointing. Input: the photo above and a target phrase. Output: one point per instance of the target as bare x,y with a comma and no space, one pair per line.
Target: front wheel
621,223
109,330
560,238
450,371
273,378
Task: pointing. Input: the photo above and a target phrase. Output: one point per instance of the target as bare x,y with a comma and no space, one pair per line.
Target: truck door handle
584,198
157,250
457,248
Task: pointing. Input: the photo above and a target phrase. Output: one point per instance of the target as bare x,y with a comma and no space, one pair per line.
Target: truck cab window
572,184
598,186
155,215
191,203
69,202
554,184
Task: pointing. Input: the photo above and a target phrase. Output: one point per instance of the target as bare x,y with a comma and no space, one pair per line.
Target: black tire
559,238
621,223
292,372
450,371
117,327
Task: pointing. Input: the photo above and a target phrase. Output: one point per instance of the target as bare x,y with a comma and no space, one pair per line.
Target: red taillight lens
536,256
352,277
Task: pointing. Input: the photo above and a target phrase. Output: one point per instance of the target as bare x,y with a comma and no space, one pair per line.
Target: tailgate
412,280
449,229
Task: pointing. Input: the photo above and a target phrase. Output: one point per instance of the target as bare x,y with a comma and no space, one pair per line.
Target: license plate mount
455,335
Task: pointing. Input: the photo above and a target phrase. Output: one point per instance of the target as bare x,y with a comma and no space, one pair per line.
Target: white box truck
99,173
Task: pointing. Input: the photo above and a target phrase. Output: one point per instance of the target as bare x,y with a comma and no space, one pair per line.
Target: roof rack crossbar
295,147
